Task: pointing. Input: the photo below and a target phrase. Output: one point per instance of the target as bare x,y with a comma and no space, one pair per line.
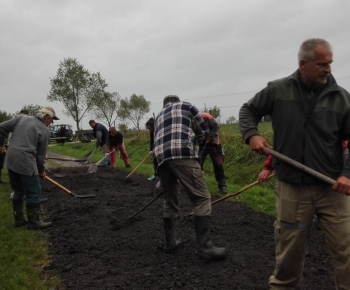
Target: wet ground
93,248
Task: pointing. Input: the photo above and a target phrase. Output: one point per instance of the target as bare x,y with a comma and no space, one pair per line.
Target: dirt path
88,253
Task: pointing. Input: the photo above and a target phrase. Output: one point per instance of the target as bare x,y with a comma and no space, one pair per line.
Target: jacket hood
113,130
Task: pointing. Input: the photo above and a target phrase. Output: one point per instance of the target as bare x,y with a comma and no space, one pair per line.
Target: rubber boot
18,213
206,249
34,222
171,243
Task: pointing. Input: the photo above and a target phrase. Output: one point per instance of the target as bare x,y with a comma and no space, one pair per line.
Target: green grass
23,253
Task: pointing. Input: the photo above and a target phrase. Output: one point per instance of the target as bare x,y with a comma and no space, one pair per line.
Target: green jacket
311,138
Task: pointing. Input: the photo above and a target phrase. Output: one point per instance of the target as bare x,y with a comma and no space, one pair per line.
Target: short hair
306,50
24,111
171,99
150,122
92,121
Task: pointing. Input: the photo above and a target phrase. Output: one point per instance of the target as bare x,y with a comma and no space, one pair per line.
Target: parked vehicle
63,133
86,134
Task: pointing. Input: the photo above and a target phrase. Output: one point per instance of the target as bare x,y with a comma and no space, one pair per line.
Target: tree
122,128
33,109
106,107
134,109
4,116
76,88
231,120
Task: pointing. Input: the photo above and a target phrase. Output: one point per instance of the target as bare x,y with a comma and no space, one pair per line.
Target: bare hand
258,144
342,185
42,175
263,175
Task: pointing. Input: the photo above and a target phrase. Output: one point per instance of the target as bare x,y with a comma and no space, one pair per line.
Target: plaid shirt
178,129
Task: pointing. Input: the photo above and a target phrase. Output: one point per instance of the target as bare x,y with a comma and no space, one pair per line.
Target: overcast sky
210,53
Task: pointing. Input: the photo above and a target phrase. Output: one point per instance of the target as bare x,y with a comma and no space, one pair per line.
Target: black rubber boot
18,213
206,249
34,222
171,243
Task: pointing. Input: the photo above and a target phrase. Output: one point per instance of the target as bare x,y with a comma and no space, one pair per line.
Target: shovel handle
105,157
58,185
63,159
300,166
143,161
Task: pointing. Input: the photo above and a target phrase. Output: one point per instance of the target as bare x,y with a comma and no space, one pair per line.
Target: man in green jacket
310,118
25,161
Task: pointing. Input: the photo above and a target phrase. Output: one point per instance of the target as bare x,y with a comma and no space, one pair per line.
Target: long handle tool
235,193
65,159
58,175
89,155
93,168
143,161
157,193
68,191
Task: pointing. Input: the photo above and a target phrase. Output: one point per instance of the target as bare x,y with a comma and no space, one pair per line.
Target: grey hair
45,111
306,50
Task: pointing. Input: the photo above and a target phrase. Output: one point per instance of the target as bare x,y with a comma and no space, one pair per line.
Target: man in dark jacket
100,134
214,149
310,118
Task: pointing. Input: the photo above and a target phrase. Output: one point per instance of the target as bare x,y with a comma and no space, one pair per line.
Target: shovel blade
92,169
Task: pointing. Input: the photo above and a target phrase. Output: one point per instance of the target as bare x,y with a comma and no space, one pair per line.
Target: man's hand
258,144
42,175
263,175
342,185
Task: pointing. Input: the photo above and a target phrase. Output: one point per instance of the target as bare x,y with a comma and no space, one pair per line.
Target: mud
90,252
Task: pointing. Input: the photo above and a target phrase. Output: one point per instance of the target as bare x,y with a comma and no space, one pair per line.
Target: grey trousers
189,174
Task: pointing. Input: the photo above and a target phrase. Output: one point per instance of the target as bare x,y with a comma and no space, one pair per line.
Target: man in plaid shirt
179,128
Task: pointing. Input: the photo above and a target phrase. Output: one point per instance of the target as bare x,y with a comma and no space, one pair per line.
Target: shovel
88,156
158,191
58,175
93,168
68,191
143,161
66,159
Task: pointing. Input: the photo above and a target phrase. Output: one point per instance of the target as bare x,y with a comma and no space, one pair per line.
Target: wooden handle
300,166
237,192
63,159
143,161
58,185
105,157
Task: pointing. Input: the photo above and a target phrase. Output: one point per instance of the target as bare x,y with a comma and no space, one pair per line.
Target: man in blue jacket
310,118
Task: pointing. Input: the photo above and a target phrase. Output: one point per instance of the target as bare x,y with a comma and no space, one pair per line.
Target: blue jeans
25,185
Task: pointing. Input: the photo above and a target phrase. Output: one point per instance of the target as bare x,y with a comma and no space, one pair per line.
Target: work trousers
296,205
123,153
215,153
25,185
188,172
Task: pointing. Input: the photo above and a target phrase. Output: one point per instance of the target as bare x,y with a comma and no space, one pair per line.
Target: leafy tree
76,88
33,109
106,107
4,116
134,109
231,120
